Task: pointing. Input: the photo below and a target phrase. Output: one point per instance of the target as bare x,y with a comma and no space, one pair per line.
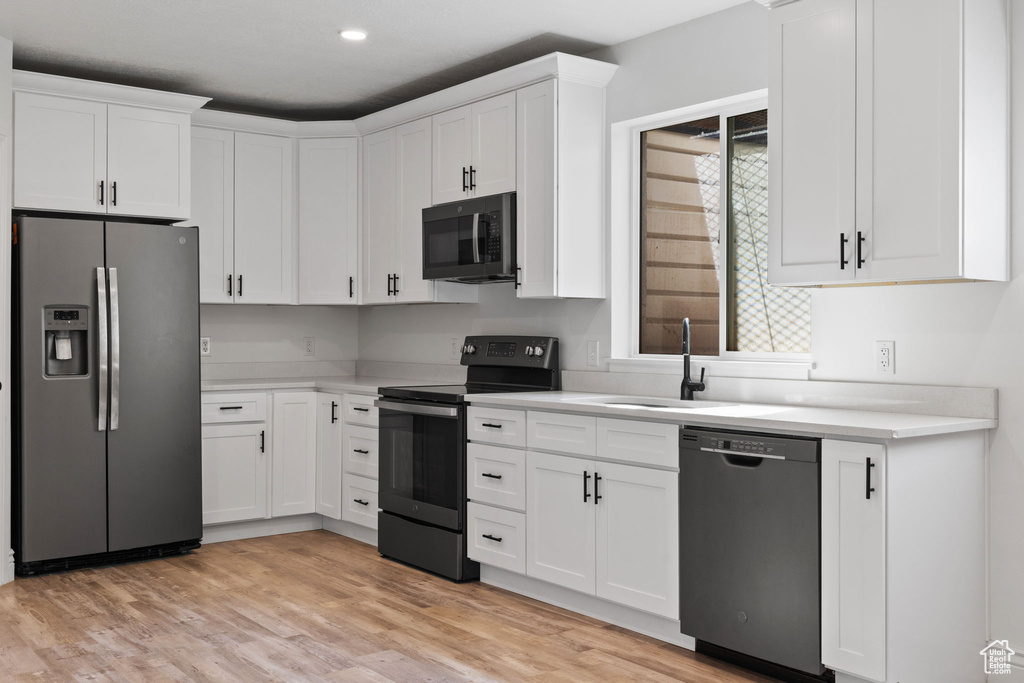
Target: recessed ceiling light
353,34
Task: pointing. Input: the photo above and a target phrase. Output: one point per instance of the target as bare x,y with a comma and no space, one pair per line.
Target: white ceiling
284,57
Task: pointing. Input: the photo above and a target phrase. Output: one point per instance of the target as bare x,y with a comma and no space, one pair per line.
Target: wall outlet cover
593,352
309,346
204,346
885,357
454,348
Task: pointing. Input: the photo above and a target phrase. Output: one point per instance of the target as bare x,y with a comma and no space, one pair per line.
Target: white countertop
347,384
782,419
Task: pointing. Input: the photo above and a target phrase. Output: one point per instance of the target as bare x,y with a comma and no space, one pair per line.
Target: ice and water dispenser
66,336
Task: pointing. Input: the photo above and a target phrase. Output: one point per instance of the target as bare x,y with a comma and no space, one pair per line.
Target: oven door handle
416,409
476,237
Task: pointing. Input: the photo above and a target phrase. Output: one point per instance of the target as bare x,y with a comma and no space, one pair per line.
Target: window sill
760,369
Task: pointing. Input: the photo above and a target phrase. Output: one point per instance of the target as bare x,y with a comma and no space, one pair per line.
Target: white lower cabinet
359,501
234,472
329,443
606,529
496,537
853,579
294,457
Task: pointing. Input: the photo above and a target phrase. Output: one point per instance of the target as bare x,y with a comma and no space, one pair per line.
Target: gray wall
263,334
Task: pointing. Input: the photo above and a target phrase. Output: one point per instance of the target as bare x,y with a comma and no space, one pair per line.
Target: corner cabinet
328,224
890,129
560,188
89,147
293,474
396,189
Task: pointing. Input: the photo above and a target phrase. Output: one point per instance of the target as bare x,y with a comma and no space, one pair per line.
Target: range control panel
520,352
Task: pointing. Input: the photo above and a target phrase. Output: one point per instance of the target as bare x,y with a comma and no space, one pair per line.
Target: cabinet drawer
497,537
361,451
645,443
497,426
561,433
221,407
496,476
359,410
359,501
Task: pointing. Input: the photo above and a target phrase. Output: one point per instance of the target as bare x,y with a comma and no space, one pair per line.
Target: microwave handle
476,237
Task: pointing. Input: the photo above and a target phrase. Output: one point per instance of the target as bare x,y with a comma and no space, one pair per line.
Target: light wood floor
311,606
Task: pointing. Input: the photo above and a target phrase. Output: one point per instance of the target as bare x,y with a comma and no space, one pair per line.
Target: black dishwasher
749,551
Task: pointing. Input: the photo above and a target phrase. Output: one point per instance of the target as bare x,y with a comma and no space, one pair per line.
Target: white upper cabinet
475,150
560,196
890,121
328,221
396,189
213,210
76,150
264,230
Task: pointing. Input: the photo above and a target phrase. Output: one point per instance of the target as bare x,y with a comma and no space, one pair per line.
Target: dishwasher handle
743,454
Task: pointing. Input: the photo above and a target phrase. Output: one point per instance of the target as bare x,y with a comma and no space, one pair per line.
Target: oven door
423,461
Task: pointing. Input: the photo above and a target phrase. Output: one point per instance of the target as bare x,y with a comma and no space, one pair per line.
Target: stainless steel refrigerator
106,422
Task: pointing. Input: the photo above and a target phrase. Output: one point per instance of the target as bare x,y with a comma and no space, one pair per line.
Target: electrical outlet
310,346
204,346
885,357
455,349
593,352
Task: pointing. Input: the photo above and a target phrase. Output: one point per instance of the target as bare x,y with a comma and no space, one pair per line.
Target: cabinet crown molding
555,65
110,93
247,123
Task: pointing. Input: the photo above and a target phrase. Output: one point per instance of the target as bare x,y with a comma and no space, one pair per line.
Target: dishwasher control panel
749,444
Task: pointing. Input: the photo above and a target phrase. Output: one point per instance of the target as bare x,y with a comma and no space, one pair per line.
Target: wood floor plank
312,606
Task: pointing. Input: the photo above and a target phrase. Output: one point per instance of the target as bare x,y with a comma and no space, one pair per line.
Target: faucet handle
702,369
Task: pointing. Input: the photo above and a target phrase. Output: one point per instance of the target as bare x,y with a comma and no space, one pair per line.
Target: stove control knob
538,351
529,350
463,348
470,349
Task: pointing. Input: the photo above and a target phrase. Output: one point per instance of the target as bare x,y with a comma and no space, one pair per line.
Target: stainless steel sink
655,403
631,404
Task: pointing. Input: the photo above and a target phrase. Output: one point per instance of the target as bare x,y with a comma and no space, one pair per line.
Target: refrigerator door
154,444
60,469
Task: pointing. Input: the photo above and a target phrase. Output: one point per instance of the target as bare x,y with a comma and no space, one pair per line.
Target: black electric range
422,496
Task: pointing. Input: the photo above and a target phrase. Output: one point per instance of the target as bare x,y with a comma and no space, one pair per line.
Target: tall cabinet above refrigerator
106,409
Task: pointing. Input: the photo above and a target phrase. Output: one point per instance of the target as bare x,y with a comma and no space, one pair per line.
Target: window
703,232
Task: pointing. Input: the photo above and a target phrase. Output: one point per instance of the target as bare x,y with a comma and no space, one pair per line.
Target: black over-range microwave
473,240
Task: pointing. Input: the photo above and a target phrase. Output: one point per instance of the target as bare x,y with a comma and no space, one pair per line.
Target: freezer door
154,444
60,483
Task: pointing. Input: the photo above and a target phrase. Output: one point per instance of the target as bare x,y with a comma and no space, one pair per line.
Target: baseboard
648,624
350,530
233,531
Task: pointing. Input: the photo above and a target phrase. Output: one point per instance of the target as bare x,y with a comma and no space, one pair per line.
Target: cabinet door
453,143
853,558
908,138
213,210
234,472
264,234
148,163
494,146
638,537
328,221
294,470
412,144
379,216
60,151
536,197
560,532
813,103
328,455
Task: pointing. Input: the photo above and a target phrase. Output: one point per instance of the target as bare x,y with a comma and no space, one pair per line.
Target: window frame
626,208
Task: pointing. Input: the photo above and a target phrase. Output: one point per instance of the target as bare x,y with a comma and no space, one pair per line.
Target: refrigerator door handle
115,352
101,307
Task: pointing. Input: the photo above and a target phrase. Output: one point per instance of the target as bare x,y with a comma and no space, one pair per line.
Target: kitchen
949,334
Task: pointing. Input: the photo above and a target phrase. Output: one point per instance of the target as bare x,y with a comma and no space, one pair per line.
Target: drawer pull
361,502
231,407
490,476
362,410
360,450
492,426
497,539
